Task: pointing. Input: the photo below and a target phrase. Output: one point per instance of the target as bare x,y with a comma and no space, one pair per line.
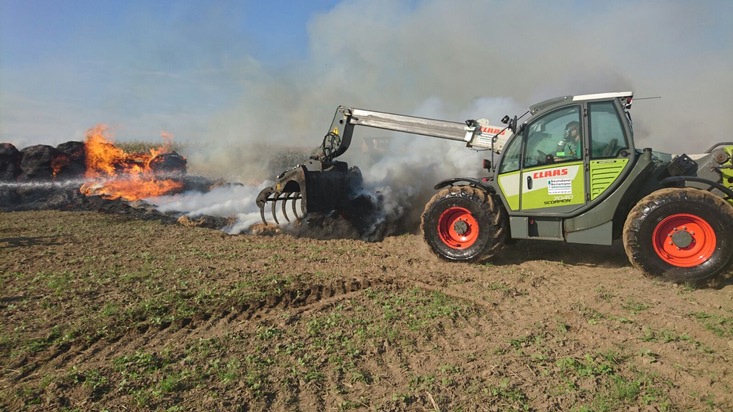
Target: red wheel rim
684,240
457,228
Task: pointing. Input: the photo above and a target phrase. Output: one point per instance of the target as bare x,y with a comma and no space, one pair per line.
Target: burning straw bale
47,177
168,163
97,177
43,177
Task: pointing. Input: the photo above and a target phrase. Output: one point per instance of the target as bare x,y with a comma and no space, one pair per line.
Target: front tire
464,224
680,234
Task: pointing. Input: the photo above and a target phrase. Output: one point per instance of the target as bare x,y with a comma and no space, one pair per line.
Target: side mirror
486,164
513,125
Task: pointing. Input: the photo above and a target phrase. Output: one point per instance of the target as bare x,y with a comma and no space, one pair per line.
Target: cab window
555,137
512,155
607,137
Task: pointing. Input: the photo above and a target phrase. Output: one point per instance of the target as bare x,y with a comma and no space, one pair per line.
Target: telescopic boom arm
475,133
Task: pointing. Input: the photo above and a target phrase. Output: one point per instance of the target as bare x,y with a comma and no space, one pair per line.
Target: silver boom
478,134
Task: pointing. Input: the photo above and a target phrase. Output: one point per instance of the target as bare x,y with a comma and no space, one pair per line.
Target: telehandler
570,172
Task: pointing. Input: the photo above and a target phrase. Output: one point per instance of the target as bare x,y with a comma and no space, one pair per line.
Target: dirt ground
107,312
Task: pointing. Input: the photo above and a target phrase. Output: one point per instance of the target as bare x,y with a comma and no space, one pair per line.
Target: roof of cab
602,96
541,106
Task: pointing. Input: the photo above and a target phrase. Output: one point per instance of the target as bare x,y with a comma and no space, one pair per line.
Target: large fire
116,174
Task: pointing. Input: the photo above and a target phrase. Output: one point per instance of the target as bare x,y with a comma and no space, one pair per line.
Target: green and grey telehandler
570,172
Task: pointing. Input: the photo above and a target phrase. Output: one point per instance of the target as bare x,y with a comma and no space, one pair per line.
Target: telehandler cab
570,172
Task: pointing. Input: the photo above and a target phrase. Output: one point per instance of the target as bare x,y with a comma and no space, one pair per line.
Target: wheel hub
461,227
682,238
457,228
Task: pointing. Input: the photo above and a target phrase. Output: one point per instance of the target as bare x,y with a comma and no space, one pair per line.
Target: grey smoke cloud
398,56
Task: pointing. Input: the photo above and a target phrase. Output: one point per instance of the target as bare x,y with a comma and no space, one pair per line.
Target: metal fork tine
295,200
284,208
274,204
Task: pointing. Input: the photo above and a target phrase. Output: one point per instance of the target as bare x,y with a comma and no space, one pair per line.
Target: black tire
463,224
680,234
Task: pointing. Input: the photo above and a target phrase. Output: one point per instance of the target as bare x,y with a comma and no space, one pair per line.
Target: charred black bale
170,163
9,162
37,162
72,164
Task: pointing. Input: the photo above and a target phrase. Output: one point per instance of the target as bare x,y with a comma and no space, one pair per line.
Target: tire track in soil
531,292
454,340
541,291
311,298
515,296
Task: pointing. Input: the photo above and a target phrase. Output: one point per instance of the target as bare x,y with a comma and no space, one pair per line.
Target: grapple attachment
309,188
318,186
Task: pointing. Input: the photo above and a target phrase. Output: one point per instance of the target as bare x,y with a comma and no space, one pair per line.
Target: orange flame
119,174
58,163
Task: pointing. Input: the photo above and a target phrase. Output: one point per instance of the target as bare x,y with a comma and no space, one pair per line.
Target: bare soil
108,312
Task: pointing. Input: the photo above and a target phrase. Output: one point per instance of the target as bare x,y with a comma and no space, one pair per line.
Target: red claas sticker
550,173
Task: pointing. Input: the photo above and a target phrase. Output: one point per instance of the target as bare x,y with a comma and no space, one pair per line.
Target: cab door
553,175
611,152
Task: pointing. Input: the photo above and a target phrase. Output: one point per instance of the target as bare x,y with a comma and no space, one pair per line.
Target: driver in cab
570,146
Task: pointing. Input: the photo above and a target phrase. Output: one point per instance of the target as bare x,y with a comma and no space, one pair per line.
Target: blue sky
33,30
229,75
132,58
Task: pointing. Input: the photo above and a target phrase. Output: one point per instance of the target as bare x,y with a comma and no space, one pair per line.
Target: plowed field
108,312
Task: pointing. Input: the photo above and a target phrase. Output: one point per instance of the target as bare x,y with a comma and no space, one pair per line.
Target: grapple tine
274,205
262,200
313,187
295,200
284,208
262,214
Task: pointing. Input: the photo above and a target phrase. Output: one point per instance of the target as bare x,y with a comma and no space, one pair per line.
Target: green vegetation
635,307
601,381
721,326
102,312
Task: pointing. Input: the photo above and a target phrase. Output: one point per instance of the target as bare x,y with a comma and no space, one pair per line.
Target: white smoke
443,59
232,201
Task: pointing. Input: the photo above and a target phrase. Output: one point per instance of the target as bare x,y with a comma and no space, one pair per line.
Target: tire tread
644,259
486,203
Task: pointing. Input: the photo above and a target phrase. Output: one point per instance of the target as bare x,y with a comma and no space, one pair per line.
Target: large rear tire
680,234
464,224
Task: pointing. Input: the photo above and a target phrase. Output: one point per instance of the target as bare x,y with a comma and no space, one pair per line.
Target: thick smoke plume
402,56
